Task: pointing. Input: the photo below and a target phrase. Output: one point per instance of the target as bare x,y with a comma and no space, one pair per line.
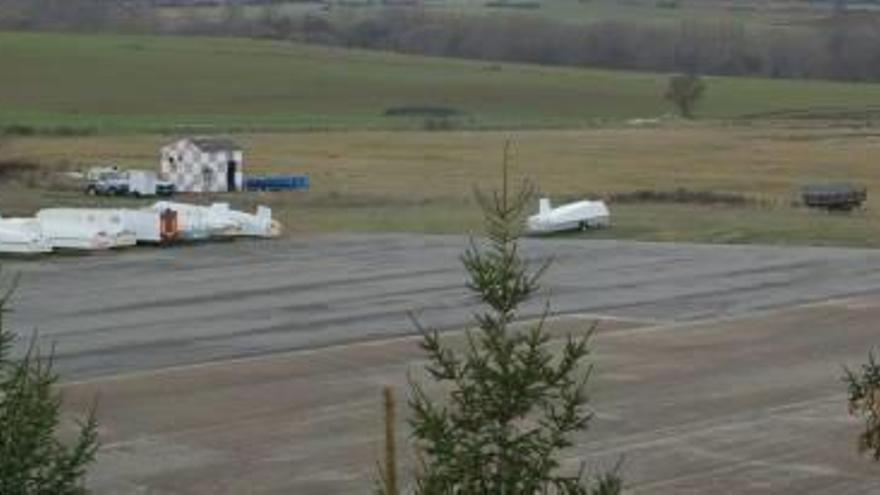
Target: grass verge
303,214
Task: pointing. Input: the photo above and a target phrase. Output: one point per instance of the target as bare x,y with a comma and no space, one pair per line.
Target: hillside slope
78,83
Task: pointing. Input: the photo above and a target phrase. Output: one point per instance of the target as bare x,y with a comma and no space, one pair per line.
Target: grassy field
759,161
69,84
569,129
422,181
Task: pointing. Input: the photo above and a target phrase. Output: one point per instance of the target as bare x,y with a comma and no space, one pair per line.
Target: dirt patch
32,175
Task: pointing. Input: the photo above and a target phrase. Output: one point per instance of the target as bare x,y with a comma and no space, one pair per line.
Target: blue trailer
277,183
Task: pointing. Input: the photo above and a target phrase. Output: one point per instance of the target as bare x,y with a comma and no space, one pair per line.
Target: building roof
212,144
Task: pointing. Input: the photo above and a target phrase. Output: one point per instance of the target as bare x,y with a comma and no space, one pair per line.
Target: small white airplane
580,215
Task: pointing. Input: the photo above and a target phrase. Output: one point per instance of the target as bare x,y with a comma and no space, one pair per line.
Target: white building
203,165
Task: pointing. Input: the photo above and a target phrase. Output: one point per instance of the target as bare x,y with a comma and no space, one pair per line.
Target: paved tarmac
749,406
146,309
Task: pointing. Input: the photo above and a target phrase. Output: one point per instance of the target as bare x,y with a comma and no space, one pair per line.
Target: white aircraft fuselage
580,215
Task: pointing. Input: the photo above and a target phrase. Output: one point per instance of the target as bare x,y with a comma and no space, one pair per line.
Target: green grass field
105,84
308,213
567,127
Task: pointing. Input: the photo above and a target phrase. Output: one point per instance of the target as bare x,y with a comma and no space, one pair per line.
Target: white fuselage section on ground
573,216
85,228
165,221
195,222
145,224
246,224
219,220
22,235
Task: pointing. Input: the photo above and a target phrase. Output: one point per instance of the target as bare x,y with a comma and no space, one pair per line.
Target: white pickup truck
111,181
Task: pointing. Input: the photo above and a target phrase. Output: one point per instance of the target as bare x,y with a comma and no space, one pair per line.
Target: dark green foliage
512,404
680,195
684,91
864,401
32,460
422,111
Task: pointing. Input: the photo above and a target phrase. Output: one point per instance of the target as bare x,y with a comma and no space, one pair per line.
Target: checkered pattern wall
194,170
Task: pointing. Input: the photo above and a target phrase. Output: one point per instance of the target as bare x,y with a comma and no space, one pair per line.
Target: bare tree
684,91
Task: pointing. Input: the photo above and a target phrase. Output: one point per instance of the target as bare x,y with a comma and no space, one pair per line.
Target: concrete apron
750,405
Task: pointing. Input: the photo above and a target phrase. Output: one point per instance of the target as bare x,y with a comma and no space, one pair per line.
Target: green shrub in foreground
32,460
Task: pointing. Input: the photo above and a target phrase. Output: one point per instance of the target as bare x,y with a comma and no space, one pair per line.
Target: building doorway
231,169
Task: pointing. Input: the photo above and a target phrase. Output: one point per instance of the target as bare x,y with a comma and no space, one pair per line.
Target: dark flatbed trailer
834,197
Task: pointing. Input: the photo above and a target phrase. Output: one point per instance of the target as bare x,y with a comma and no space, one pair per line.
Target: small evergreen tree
684,91
864,401
32,460
512,404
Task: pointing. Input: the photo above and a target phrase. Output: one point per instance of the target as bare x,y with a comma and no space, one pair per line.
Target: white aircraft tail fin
544,206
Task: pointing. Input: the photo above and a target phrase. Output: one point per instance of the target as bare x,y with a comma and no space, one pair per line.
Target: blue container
277,183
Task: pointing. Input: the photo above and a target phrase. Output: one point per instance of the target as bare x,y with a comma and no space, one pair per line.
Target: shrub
19,130
667,4
421,111
680,195
864,401
32,460
684,92
511,404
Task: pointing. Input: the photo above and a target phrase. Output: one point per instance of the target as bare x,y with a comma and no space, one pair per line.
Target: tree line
80,15
833,51
843,48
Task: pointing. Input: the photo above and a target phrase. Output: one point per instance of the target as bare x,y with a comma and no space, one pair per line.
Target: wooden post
390,445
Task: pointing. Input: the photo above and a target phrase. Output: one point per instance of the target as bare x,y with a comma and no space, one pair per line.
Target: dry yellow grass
422,181
762,161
